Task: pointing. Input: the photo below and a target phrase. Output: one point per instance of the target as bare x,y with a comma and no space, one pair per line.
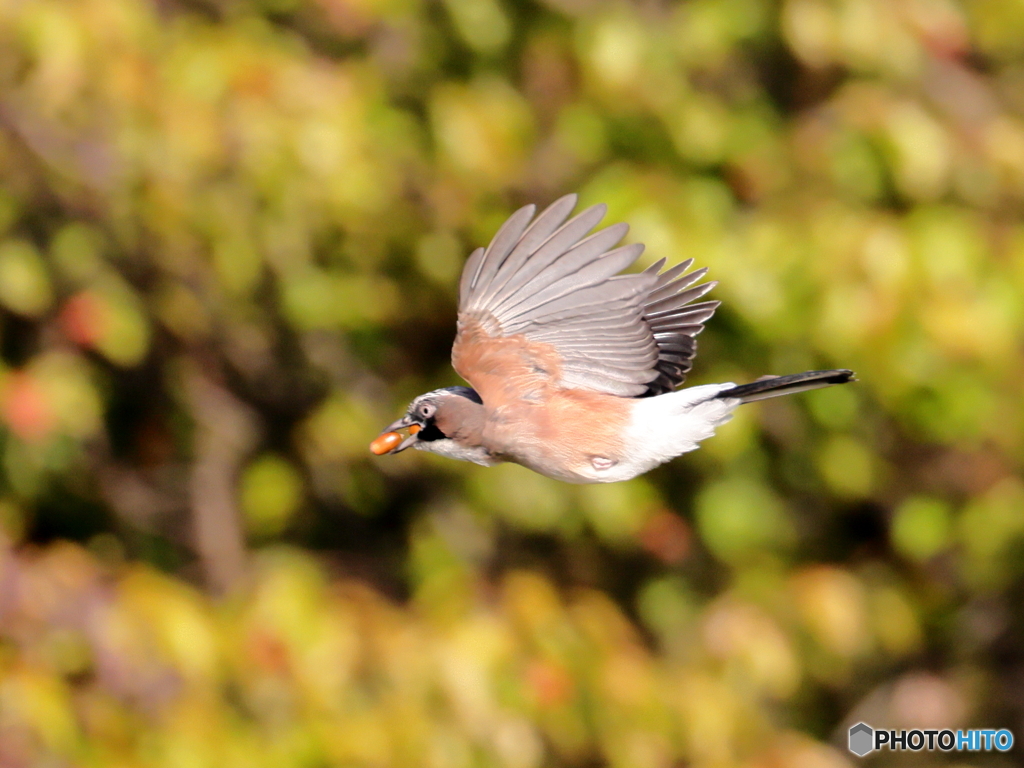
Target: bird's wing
544,304
675,322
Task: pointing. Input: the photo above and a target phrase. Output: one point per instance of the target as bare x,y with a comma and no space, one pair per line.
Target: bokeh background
230,235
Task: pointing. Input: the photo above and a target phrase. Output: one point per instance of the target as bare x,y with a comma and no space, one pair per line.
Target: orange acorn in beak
391,440
386,443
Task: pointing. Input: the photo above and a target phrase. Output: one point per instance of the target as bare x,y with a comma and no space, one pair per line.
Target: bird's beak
391,439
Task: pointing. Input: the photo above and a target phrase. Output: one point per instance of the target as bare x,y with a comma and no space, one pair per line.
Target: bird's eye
427,410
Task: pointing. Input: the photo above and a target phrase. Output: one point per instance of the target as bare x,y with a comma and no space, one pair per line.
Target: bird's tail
775,386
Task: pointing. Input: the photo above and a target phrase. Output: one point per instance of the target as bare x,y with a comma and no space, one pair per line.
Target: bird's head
443,421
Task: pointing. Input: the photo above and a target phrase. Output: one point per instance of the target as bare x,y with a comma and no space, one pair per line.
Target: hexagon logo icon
862,737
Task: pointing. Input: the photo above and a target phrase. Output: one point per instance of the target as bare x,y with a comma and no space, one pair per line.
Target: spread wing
544,304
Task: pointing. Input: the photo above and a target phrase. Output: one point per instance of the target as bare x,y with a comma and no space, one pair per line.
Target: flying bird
573,366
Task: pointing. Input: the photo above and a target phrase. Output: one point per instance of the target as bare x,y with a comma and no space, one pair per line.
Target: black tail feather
775,386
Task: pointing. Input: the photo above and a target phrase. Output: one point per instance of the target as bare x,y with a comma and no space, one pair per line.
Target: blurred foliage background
230,234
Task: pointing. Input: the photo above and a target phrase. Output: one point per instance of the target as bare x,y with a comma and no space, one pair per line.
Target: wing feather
545,305
550,219
502,244
469,273
587,263
555,247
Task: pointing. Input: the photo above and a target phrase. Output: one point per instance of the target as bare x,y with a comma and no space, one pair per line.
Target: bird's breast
571,435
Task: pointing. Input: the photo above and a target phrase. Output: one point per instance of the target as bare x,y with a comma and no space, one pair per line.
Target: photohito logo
865,739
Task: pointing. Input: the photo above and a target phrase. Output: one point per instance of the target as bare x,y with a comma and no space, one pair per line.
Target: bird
574,368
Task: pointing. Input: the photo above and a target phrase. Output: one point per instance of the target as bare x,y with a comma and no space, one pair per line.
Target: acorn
386,443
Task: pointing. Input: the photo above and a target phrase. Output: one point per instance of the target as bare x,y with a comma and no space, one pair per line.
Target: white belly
662,428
